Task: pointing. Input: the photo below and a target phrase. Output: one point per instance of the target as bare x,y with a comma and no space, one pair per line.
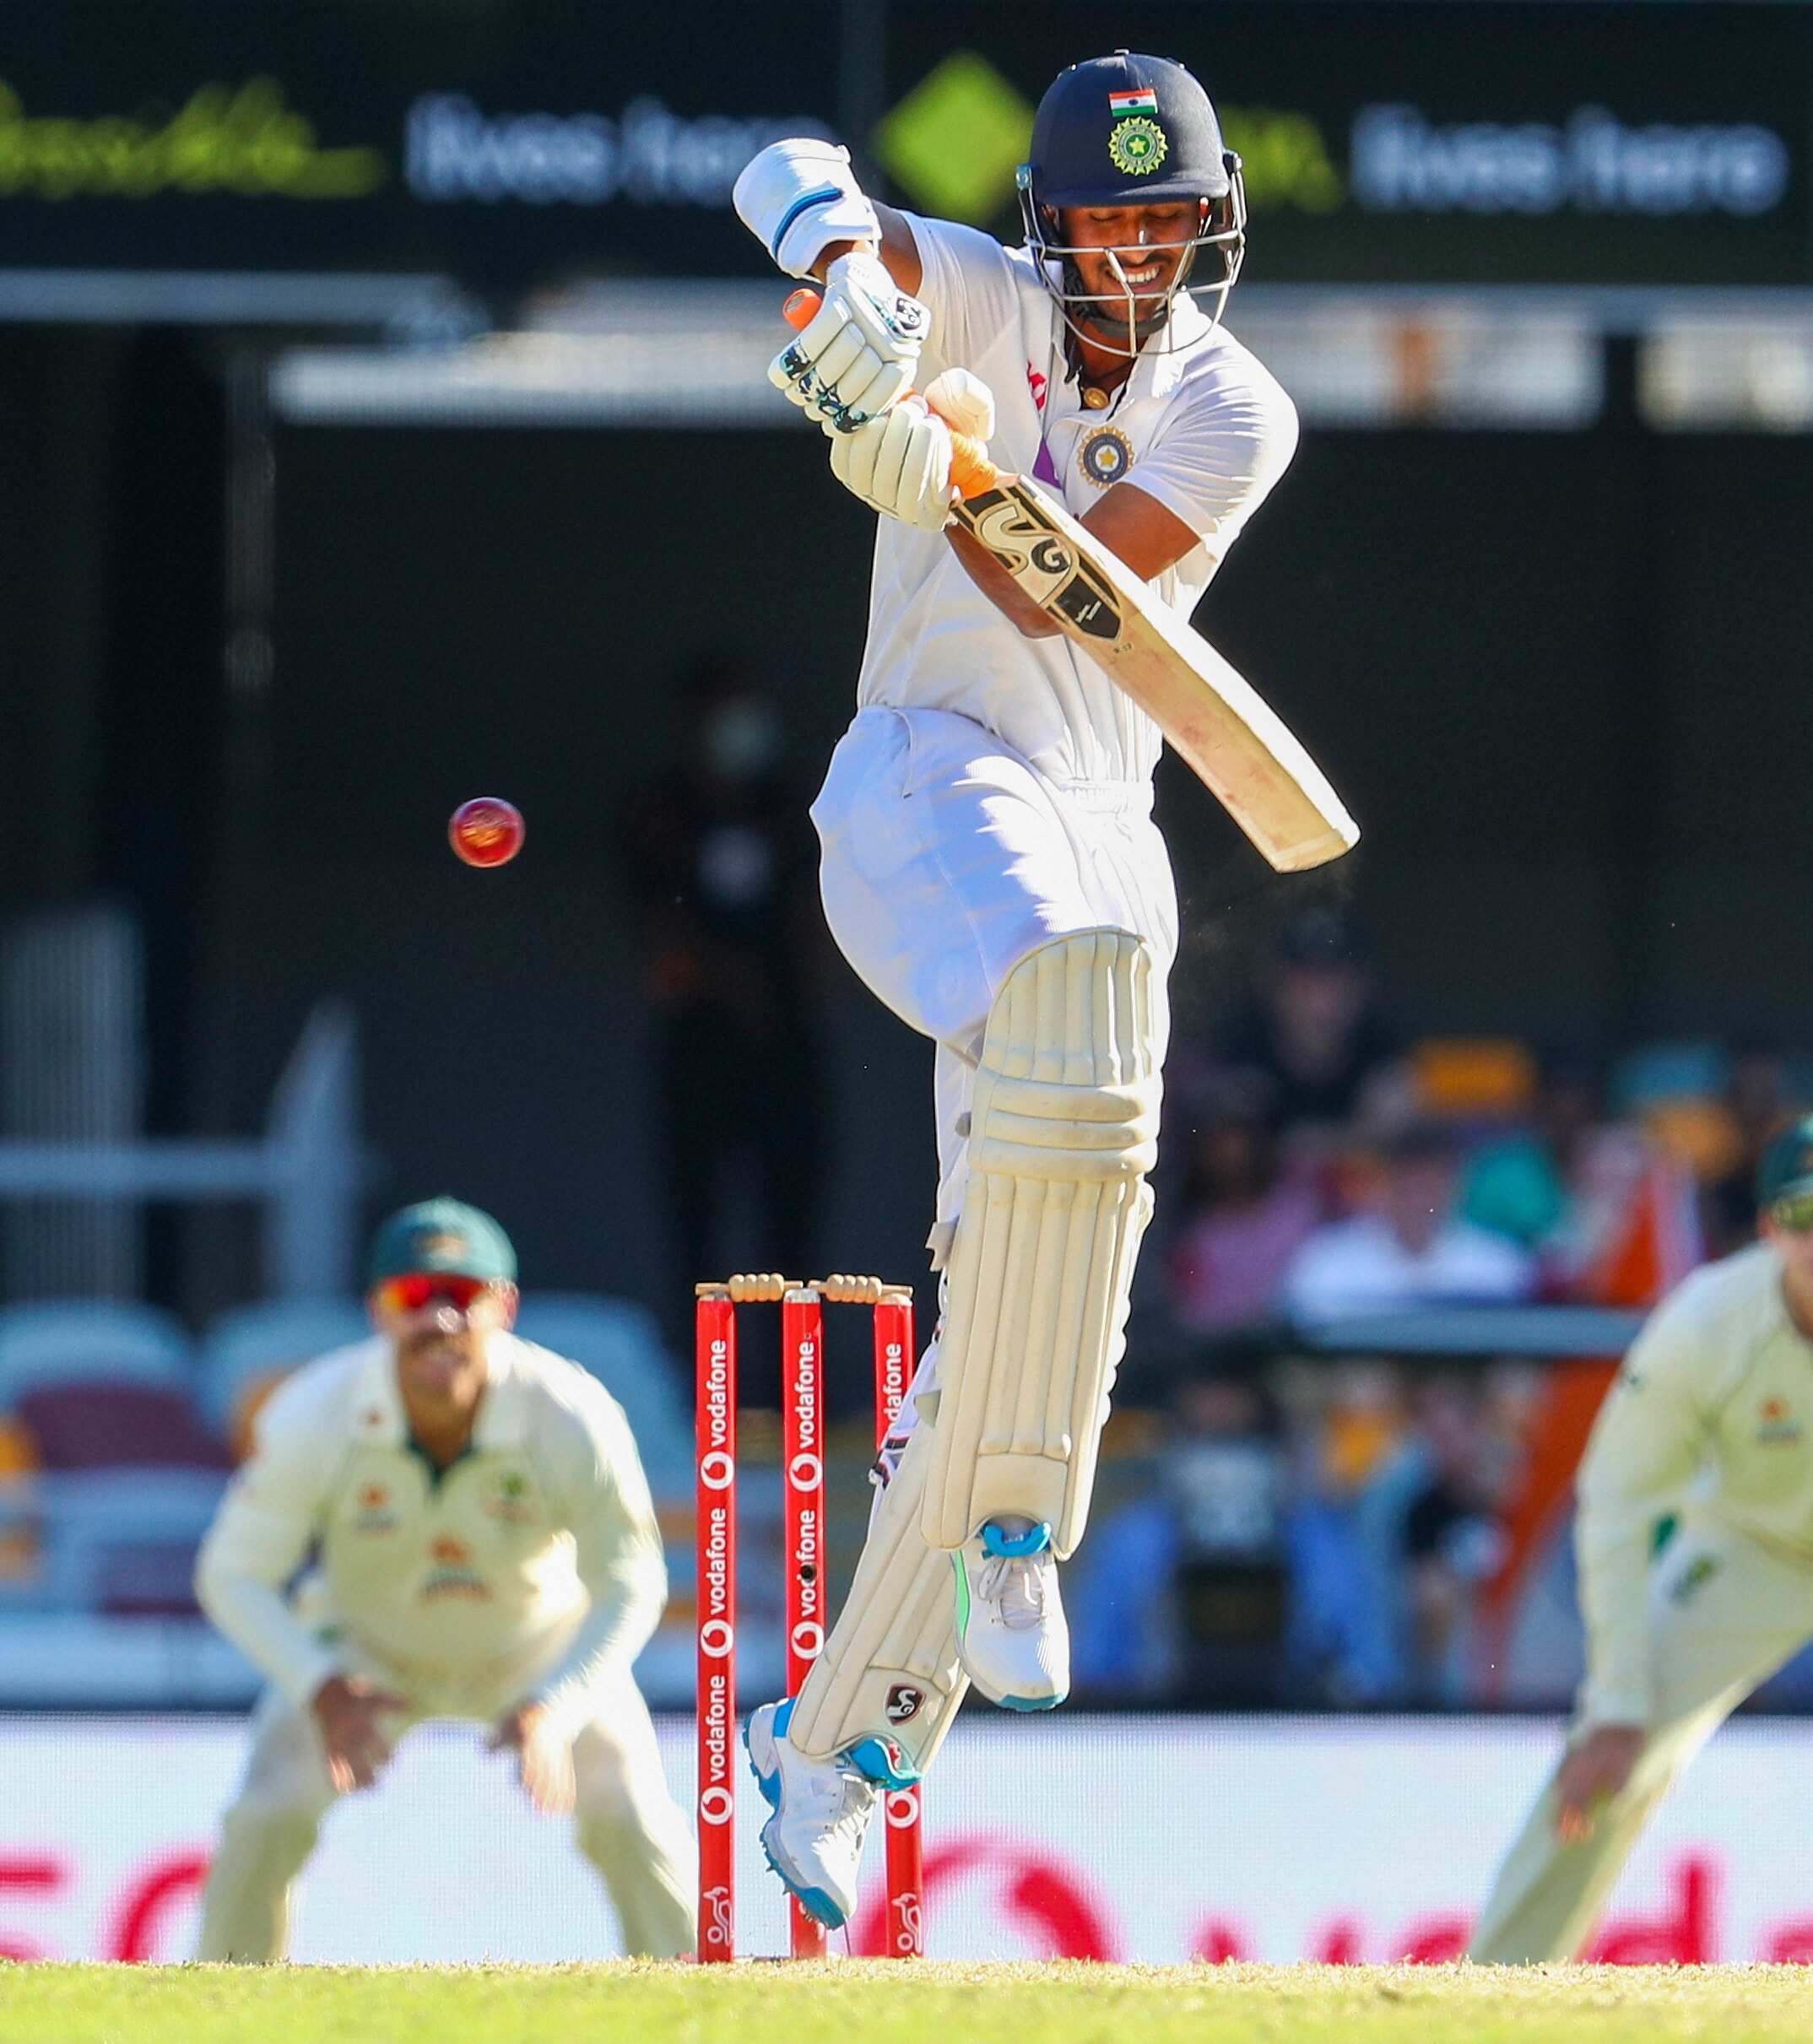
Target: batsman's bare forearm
1000,587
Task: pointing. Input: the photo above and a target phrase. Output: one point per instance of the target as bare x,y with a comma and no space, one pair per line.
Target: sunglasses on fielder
412,1293
1794,1211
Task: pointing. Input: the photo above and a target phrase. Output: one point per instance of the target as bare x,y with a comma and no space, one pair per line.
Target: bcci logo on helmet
1137,146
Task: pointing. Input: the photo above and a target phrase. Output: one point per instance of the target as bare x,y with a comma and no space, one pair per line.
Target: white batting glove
898,464
861,349
961,399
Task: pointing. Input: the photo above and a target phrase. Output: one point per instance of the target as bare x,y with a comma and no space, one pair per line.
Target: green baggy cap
1787,1165
445,1236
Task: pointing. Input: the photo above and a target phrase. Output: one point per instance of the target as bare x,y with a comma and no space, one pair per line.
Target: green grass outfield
876,2002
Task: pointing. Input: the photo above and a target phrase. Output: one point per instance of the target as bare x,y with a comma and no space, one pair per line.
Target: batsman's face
1147,243
442,1346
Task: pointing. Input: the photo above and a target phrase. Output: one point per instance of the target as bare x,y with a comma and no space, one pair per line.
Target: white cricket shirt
536,1549
1714,1406
1205,429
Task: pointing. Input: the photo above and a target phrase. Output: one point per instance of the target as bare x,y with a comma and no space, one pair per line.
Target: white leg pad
1064,1128
890,1668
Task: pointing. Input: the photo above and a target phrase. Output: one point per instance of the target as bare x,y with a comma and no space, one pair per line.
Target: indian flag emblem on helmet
1137,146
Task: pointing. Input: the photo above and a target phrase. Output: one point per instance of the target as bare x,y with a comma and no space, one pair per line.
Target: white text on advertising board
1400,161
645,154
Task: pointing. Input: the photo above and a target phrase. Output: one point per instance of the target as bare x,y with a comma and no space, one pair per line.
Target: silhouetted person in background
723,865
1315,1029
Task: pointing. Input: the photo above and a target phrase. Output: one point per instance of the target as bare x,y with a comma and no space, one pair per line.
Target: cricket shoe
1011,1635
813,1840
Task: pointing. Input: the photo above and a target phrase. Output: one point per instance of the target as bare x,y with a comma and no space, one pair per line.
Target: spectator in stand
1407,1247
1760,1098
724,868
1183,1595
1226,1482
1562,1189
1244,1215
1521,1185
1315,1032
1453,1538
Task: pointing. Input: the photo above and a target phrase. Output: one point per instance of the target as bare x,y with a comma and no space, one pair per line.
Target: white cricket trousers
946,857
1725,1614
626,1824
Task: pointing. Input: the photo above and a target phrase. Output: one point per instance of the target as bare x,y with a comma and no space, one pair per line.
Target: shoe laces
841,1797
1014,1584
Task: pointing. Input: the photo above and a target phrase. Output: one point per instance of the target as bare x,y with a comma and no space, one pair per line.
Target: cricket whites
1231,738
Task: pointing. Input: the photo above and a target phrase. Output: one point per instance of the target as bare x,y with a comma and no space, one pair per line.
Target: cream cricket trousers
1725,1614
626,1824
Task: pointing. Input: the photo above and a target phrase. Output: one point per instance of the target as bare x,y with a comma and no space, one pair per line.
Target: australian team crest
509,1499
376,1513
1105,455
1137,146
1776,1423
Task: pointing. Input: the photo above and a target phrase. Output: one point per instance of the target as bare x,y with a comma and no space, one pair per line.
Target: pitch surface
882,2002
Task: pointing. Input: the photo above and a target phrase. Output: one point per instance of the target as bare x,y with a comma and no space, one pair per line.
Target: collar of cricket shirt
379,1420
1156,374
503,1420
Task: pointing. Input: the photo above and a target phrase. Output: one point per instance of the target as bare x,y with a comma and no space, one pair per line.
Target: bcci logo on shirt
1105,455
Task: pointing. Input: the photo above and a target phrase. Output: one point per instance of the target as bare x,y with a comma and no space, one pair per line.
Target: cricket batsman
1707,1428
989,863
486,1551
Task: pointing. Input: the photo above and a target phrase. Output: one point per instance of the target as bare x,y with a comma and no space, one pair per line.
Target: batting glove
898,464
859,352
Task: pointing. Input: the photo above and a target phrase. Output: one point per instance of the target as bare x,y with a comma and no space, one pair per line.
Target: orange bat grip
971,471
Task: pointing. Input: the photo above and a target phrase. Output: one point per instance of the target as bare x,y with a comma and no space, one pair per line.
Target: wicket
803,1474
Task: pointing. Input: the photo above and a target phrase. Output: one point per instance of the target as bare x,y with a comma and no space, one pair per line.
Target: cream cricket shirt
534,1559
1203,429
1714,1406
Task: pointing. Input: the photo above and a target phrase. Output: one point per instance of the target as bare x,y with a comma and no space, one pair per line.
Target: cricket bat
1231,738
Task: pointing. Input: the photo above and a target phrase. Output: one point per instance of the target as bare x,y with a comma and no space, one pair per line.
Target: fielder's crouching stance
488,1552
990,866
1707,1426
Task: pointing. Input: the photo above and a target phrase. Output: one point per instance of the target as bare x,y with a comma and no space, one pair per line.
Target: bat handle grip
972,473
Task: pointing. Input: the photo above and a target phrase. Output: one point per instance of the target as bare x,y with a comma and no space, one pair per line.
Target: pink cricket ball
486,831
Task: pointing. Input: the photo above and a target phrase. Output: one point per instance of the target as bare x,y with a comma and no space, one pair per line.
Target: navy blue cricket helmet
1130,130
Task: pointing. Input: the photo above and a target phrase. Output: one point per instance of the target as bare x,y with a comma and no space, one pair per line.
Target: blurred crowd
1323,1516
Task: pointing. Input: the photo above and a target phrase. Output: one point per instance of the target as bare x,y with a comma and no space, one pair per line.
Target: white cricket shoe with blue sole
1012,1636
813,1840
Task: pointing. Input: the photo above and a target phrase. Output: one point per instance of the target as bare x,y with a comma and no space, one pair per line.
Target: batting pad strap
799,195
1076,1135
1064,1128
889,1673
